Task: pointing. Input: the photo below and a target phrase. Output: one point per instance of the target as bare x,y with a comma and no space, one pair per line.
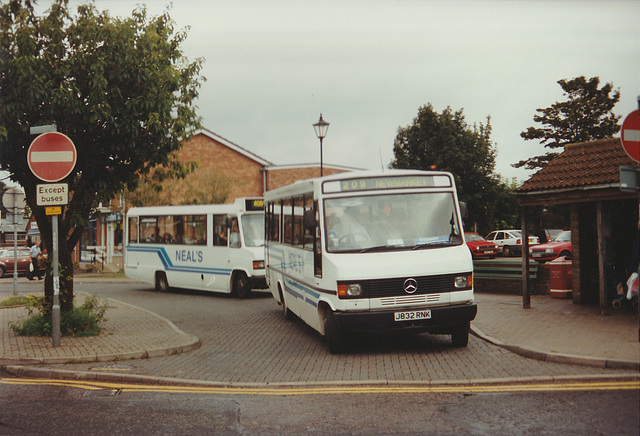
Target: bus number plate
413,315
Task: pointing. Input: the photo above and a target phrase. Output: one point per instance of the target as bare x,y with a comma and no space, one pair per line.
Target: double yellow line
316,390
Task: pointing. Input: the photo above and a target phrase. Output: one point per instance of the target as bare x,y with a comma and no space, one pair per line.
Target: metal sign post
55,314
51,158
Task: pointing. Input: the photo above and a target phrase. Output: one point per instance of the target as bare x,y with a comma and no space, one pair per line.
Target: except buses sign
52,156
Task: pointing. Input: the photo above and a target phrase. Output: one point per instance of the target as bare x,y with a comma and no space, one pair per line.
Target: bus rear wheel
241,287
162,285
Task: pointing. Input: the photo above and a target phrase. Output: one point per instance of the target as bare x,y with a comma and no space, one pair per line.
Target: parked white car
510,241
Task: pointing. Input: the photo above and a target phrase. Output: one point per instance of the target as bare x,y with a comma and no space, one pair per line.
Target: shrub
83,320
16,300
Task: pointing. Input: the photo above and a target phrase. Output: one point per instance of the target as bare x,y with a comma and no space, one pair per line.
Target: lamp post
321,128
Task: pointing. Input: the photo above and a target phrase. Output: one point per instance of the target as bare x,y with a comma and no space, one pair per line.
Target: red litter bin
560,270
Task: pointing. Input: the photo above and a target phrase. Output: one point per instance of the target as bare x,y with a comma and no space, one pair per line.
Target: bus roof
403,177
244,204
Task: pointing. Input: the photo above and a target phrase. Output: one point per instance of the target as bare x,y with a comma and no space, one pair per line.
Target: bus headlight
463,281
349,290
258,264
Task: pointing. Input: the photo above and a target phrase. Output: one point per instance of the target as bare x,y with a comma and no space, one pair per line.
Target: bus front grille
395,287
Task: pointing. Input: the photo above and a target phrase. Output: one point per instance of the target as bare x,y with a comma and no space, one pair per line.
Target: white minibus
371,252
217,248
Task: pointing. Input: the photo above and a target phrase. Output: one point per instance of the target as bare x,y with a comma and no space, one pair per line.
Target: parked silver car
510,241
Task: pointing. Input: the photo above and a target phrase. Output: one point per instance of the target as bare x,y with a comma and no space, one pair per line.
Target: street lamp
321,128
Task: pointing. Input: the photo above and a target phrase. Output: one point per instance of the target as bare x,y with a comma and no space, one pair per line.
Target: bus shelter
604,218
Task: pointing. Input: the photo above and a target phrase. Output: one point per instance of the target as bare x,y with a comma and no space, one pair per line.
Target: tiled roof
234,146
594,163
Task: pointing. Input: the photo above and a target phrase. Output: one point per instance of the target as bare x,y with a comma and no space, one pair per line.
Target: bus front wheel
241,287
334,336
288,314
460,335
162,285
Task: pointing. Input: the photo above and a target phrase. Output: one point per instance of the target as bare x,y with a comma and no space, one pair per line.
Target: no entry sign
631,135
52,156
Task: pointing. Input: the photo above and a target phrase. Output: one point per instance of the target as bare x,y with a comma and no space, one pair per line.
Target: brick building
604,218
233,169
222,166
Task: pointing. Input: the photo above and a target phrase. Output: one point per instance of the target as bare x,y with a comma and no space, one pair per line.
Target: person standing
35,254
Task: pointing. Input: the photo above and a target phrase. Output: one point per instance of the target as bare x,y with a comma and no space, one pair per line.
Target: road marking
315,390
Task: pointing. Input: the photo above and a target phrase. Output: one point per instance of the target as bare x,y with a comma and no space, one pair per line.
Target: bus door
221,255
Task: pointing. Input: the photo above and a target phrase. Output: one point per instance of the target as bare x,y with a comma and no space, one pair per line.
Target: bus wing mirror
463,209
310,219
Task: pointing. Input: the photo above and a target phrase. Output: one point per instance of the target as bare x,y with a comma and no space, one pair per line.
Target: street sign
629,178
52,156
52,194
631,135
53,210
13,198
15,219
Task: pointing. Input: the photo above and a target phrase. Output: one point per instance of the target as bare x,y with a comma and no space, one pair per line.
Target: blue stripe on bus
169,266
298,290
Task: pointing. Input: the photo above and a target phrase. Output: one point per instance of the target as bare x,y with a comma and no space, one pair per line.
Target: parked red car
480,247
7,261
557,247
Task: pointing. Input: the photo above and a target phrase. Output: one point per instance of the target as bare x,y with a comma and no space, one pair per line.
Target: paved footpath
556,329
557,339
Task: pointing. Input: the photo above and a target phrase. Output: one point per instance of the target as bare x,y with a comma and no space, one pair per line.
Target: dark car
480,247
7,261
557,247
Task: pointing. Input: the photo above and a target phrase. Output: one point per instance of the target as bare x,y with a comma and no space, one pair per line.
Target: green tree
207,188
3,210
585,116
445,141
120,88
150,189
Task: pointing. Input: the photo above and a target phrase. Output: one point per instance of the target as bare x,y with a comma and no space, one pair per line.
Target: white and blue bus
371,251
217,248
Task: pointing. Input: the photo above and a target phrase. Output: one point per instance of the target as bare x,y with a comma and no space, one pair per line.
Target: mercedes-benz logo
410,286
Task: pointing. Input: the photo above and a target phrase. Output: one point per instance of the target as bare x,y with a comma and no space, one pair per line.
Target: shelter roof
581,167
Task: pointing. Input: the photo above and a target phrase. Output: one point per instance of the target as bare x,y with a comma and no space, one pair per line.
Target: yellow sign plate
53,210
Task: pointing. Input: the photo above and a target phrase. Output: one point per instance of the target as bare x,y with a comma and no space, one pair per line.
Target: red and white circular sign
631,135
52,156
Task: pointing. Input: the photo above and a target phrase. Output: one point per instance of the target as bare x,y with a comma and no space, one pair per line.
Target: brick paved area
249,342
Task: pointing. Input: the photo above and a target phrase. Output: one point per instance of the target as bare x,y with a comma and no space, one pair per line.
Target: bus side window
287,222
133,230
234,233
149,229
271,222
298,213
308,231
219,231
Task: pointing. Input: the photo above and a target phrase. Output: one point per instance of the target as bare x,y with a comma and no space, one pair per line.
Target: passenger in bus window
191,239
346,228
234,236
222,237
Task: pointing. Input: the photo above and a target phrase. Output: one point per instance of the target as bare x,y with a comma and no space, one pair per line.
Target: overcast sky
368,65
